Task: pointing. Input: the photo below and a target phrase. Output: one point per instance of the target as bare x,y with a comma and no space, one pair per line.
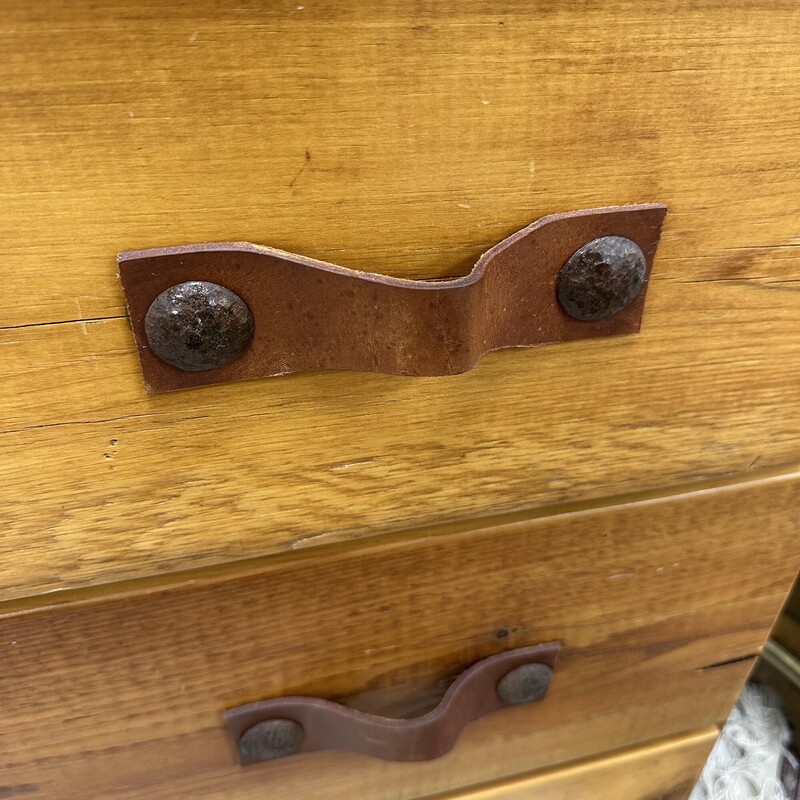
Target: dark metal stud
601,278
273,738
525,684
198,325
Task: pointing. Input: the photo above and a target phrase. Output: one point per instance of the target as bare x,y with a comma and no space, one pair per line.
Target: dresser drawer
660,603
666,770
138,126
365,538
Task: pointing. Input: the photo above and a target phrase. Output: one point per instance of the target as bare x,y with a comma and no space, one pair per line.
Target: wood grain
386,136
404,138
666,770
126,485
137,126
661,606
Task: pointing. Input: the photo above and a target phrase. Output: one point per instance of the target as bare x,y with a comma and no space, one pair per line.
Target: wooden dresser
366,538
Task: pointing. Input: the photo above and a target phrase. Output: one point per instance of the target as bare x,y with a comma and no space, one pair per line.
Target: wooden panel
136,126
127,485
788,625
661,606
666,770
125,126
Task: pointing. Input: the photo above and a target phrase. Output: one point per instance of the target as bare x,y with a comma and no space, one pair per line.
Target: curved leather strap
310,315
330,726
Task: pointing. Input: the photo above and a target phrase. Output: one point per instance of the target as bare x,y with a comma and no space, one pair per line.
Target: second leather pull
213,313
284,726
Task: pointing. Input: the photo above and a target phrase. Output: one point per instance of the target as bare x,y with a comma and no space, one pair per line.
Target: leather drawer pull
284,726
214,313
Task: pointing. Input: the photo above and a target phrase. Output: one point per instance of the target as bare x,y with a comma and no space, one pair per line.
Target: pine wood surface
229,528
661,606
396,137
99,483
386,135
666,770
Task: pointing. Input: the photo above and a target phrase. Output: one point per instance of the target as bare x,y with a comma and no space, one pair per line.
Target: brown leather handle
284,726
212,313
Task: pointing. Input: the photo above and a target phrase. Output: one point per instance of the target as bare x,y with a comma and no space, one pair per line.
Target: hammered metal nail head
197,325
525,684
602,278
273,738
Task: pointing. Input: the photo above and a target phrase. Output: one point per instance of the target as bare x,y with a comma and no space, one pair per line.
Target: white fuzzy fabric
744,762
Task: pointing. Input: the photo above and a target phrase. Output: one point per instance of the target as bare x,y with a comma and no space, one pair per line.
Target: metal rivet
601,278
273,738
198,325
525,684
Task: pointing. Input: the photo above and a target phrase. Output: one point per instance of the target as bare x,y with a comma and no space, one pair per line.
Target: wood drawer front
137,126
660,604
667,771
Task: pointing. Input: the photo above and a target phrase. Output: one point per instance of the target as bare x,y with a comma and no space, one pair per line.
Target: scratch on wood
80,317
729,662
348,464
61,322
301,170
